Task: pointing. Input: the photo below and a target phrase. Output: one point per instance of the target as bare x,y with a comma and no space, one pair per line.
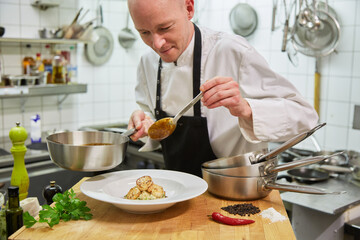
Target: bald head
164,25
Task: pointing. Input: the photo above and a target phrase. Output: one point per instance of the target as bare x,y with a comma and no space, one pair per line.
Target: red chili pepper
230,221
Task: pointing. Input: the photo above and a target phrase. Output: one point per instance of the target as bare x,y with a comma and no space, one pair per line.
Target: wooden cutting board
185,220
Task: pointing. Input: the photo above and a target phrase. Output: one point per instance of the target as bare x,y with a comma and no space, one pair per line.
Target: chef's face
164,25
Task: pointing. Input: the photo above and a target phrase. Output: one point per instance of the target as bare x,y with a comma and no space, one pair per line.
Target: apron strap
196,76
197,70
158,91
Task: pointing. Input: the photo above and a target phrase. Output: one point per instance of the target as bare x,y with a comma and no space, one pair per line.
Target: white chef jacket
278,110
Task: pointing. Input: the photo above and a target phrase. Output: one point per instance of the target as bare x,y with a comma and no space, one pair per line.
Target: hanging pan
320,40
100,51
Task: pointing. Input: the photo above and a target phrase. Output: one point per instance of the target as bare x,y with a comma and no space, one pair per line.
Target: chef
245,104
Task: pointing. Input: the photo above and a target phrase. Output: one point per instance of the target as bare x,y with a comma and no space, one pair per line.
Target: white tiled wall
110,94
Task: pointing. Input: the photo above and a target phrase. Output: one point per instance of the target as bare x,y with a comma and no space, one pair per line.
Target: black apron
189,145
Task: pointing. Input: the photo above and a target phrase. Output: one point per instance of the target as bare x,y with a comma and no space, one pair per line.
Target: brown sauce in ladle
162,128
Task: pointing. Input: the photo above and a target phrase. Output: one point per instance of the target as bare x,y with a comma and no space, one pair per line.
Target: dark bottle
14,213
50,190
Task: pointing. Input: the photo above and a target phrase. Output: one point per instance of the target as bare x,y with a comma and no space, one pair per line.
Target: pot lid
243,19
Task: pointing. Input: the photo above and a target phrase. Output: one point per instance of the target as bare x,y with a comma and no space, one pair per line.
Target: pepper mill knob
50,190
18,135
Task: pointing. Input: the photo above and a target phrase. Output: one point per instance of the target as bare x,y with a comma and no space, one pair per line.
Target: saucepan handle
300,189
299,163
127,133
288,144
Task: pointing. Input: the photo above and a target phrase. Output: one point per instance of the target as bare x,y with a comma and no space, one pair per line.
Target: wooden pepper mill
19,176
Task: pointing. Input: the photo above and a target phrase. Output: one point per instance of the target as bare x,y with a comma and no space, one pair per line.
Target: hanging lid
243,19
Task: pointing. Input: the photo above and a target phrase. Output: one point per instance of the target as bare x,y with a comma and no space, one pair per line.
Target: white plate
112,187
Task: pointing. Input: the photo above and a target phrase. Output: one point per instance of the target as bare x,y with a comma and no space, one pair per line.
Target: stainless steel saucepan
263,155
251,188
264,168
88,150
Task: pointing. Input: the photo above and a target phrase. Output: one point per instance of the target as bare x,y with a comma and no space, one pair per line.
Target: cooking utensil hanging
274,9
318,41
288,9
243,19
100,51
126,36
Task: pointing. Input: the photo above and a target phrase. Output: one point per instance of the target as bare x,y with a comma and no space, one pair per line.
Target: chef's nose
158,41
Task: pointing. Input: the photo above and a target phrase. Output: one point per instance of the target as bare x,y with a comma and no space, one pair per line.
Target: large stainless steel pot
88,150
251,188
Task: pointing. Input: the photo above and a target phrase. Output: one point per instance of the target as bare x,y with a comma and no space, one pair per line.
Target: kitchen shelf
42,90
43,40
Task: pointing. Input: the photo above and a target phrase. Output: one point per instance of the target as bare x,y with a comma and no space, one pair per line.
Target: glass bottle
3,234
28,62
58,69
47,61
14,213
50,190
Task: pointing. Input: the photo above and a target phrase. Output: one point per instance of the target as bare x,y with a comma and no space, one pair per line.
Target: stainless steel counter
330,204
323,216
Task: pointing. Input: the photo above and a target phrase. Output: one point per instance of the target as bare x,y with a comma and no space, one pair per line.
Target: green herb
67,207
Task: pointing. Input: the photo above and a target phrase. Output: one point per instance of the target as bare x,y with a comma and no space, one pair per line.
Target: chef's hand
224,91
141,122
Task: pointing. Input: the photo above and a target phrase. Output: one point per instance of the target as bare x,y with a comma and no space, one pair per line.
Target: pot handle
299,189
338,169
127,133
298,163
288,144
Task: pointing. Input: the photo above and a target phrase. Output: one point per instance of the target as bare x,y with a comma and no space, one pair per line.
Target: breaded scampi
133,193
144,183
156,190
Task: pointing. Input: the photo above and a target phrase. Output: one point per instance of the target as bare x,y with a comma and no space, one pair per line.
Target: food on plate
144,183
145,189
134,193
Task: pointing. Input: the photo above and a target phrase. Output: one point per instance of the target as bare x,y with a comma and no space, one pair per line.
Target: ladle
126,36
164,127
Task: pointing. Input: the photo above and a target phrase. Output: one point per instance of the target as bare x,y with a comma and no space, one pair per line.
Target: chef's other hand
224,91
141,122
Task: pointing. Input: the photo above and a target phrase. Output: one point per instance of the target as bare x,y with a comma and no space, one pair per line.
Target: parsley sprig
67,207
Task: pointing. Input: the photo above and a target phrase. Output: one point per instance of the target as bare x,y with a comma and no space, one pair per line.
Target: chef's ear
190,8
